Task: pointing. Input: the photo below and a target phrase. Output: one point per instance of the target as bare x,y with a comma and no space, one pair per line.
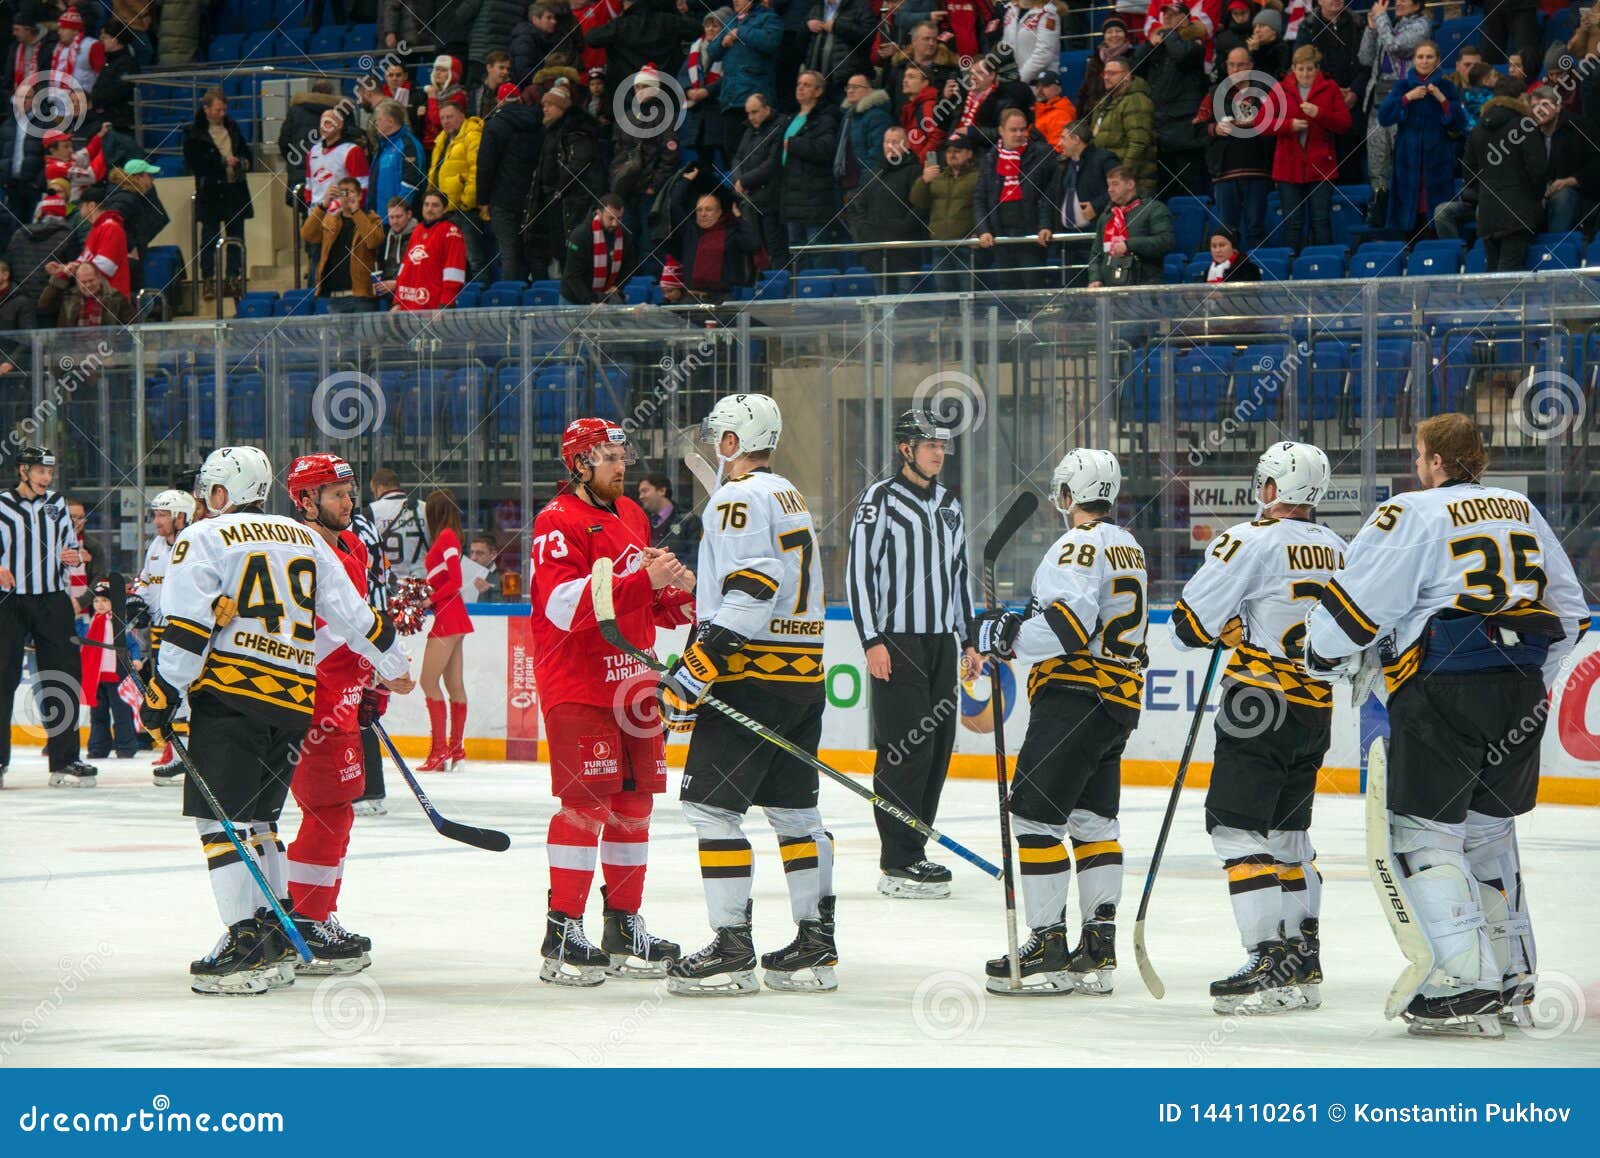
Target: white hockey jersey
1089,631
759,577
1462,548
147,585
279,578
1264,572
402,528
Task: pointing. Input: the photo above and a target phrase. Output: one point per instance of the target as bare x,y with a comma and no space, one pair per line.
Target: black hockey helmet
33,456
916,426
186,480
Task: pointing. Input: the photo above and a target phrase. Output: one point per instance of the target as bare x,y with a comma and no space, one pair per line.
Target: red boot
458,738
438,747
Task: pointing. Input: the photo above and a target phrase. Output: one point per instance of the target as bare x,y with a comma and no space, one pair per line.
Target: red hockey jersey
434,269
341,673
107,247
572,662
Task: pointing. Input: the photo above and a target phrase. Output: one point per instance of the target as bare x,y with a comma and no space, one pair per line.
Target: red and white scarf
700,77
607,259
1008,164
1117,226
24,64
969,108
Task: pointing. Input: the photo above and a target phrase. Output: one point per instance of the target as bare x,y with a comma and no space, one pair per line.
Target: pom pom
409,606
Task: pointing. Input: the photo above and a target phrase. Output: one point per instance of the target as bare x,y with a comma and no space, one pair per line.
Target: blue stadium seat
1074,63
361,38
295,303
1346,219
553,383
503,293
611,393
224,46
326,41
259,46
773,286
170,166
1190,217
1378,259
504,411
1477,260
638,291
294,41
1308,266
1453,33
258,15
247,415
855,283
1327,377
1139,391
1394,376
543,293
257,304
1435,258
1260,380
812,286
470,297
1197,268
1174,267
1563,254
1274,266
1201,375
1592,255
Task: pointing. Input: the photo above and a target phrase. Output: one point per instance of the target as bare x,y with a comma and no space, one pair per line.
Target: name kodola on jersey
1090,630
1269,573
759,577
242,596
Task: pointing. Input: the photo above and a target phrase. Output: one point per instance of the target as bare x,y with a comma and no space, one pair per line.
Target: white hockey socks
1253,884
235,889
727,864
807,851
1295,861
1046,871
1097,847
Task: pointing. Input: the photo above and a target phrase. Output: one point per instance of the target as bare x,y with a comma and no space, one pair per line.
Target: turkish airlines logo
602,750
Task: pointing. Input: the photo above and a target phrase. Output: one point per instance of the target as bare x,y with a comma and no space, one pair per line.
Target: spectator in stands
398,166
986,98
1467,55
453,171
106,246
111,98
1052,112
1135,235
756,171
864,118
18,311
1014,199
1511,167
841,37
677,530
747,48
1238,22
488,60
569,180
1386,48
302,125
403,20
1080,188
77,59
349,238
647,33
217,155
1031,30
1510,25
919,111
882,212
1124,122
134,197
398,223
483,96
444,88
30,50
434,266
644,151
936,62
944,196
1267,45
719,245
508,157
1173,63
333,156
1424,108
1306,113
483,552
1336,31
1227,262
968,25
1572,173
1238,151
78,294
22,146
548,30
699,80
35,246
598,257
1475,93
808,198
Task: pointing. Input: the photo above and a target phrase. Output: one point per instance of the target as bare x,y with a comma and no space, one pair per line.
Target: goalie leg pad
1431,856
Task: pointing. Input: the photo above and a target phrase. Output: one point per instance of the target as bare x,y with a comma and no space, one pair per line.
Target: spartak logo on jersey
630,560
417,254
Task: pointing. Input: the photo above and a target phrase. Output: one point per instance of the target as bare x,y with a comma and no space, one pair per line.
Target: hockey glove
996,633
374,702
1232,632
1342,668
676,720
685,682
161,703
138,612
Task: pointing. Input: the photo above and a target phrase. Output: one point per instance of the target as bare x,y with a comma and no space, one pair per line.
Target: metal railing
956,270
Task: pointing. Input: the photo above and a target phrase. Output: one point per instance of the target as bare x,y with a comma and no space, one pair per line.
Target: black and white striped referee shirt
908,569
33,533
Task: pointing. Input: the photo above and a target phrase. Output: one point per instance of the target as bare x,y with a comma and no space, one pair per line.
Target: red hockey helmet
586,434
312,472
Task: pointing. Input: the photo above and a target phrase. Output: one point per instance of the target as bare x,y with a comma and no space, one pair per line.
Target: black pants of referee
372,760
914,714
47,620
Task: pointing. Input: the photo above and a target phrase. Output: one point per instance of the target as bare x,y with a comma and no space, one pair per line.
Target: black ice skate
570,958
811,952
1303,957
921,881
731,956
168,775
78,775
1475,1013
1044,966
1093,964
1263,984
330,952
633,950
236,967
278,952
1516,1000
333,923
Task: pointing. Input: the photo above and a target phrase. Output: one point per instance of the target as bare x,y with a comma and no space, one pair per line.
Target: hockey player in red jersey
330,772
607,750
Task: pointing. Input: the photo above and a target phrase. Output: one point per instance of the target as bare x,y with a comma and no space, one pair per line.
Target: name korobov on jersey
1089,632
759,581
243,595
1450,553
1269,573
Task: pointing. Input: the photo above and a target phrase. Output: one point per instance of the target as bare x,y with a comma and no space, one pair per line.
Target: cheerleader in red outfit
441,659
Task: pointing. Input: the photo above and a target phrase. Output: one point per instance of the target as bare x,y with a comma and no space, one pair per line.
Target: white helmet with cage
1089,476
1299,469
243,471
753,418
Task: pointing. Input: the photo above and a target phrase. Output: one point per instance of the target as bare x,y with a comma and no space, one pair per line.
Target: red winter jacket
1316,160
107,247
921,122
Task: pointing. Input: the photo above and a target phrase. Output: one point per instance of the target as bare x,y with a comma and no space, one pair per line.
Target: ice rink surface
105,902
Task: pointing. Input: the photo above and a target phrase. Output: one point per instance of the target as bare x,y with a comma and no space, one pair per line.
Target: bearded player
607,749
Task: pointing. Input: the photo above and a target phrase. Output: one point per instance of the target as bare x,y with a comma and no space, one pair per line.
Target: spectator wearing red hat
81,167
55,201
645,34
76,61
444,87
1235,33
673,291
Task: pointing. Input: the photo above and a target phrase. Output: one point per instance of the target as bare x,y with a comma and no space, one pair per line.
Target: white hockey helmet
174,503
1090,476
754,418
243,471
1300,470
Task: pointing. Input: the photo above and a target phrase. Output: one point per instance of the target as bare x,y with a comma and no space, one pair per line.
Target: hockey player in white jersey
171,511
242,595
760,609
1273,726
1472,605
1086,641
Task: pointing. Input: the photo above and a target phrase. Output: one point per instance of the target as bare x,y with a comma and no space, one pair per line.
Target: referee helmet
33,456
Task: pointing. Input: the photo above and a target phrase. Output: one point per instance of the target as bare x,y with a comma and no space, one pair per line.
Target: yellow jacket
454,167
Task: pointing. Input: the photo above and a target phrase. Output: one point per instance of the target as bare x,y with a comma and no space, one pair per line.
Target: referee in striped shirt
910,598
37,545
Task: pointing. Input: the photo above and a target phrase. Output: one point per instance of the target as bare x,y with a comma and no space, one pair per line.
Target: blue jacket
751,64
861,138
1424,156
398,170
